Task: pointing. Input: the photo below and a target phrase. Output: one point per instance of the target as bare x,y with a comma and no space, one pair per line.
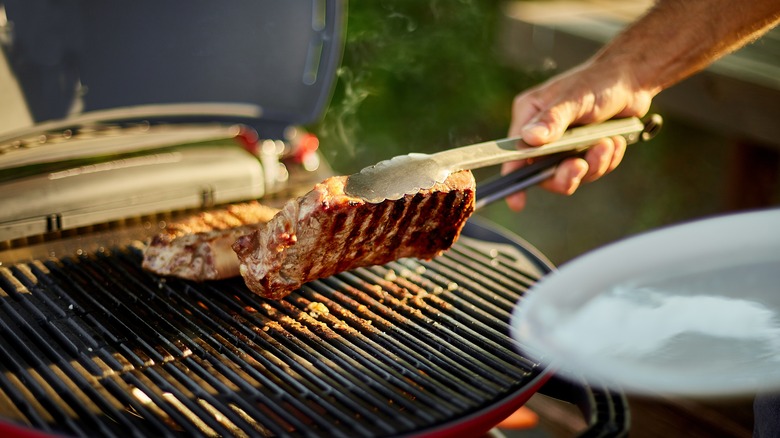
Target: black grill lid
265,63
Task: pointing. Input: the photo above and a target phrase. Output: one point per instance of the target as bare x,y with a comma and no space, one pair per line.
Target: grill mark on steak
389,232
339,222
340,232
361,237
327,231
437,238
356,235
399,207
407,220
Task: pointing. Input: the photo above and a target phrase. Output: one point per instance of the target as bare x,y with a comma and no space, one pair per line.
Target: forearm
677,38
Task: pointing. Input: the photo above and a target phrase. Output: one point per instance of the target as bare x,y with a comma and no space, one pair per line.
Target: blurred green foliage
417,76
427,75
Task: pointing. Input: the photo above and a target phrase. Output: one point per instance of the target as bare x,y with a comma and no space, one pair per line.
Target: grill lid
263,63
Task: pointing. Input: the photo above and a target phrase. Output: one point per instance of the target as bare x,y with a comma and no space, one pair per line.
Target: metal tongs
407,174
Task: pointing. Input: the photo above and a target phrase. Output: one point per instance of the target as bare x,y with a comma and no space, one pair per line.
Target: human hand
591,93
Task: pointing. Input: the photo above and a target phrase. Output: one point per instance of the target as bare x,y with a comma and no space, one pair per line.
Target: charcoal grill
92,345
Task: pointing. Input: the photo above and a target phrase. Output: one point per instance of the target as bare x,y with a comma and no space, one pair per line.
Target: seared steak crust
198,248
326,232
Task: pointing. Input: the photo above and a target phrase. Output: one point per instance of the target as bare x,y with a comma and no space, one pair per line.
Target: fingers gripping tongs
407,174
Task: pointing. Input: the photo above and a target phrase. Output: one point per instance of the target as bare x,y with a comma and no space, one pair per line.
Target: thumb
536,133
543,128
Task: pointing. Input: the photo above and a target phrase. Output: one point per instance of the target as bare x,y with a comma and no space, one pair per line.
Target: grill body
92,345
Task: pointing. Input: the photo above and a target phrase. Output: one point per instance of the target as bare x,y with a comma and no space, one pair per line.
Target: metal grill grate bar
231,347
466,351
419,361
318,344
292,354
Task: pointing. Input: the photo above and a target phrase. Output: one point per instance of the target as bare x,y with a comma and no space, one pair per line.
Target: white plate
691,310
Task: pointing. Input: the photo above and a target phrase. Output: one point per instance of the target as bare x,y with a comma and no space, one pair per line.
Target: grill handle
605,411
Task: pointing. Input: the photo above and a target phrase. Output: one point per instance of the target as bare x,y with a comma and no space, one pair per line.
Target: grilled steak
198,248
326,231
